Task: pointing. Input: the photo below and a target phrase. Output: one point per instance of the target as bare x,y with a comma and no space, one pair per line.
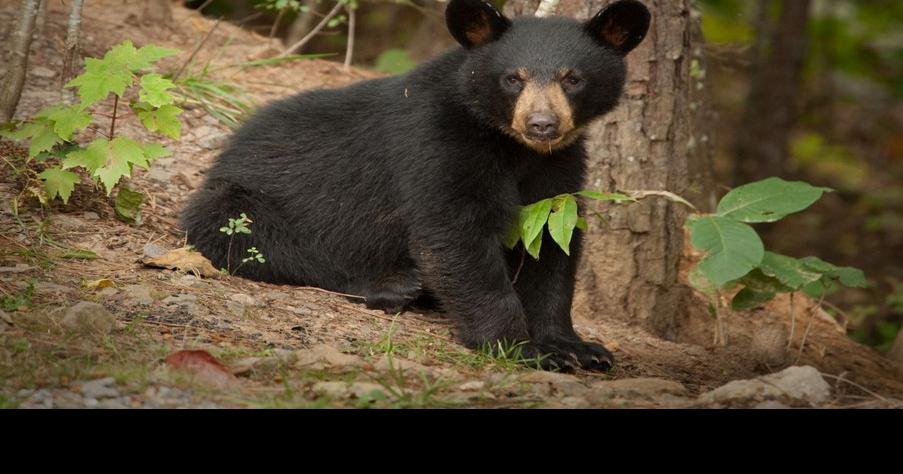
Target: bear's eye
512,81
572,82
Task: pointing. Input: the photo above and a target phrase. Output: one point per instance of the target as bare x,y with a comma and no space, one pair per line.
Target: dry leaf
186,260
202,365
99,284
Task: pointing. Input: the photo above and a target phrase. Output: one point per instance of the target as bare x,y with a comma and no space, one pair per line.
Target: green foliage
128,205
394,61
735,254
240,225
19,300
106,160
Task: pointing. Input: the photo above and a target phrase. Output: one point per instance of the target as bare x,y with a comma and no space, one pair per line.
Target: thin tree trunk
630,262
71,56
302,24
772,107
17,62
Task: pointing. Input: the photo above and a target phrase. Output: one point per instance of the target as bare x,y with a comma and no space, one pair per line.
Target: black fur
401,187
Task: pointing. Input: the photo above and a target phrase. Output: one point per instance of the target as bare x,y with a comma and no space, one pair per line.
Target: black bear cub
404,188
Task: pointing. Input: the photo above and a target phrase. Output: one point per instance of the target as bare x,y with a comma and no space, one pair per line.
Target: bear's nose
542,125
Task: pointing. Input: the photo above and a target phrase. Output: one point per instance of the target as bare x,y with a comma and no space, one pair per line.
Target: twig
196,49
860,387
523,257
113,121
808,327
349,51
792,322
291,50
276,22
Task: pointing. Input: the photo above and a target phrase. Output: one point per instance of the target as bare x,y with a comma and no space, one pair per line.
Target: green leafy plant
240,225
19,300
734,252
50,133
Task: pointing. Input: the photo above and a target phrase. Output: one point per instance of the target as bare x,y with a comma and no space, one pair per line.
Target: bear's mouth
546,145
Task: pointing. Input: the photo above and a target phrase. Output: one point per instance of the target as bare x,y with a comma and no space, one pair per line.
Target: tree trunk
773,101
630,261
17,62
72,31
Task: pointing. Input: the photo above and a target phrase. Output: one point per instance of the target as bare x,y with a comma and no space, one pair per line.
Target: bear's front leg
467,272
546,290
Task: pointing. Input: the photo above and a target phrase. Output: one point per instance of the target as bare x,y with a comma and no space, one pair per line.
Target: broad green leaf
513,236
787,270
581,224
109,160
562,222
148,55
44,139
59,183
90,158
748,298
733,248
616,197
534,247
99,79
699,281
153,90
533,218
128,205
164,120
768,200
848,276
66,120
152,151
852,277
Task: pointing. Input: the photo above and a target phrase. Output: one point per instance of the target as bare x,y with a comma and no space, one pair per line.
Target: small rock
237,309
210,137
324,355
153,250
42,72
19,268
100,388
6,321
472,386
799,383
88,316
344,389
385,363
183,300
91,216
139,294
574,402
107,292
243,299
91,402
48,287
541,376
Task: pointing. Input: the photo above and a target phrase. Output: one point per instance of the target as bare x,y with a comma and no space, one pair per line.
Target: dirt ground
284,346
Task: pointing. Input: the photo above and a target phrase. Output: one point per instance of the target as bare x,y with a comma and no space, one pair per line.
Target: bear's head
542,80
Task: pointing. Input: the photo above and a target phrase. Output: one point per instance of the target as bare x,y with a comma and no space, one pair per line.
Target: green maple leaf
109,160
164,120
150,54
59,183
102,77
152,151
66,120
153,90
43,138
90,158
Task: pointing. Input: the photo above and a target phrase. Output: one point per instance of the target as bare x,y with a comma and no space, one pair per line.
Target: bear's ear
621,25
474,22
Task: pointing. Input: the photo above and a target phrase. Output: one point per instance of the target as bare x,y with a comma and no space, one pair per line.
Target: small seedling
240,225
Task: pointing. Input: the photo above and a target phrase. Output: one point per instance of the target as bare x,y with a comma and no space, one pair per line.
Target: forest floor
250,344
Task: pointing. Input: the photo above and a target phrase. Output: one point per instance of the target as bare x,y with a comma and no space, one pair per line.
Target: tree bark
630,261
772,106
72,31
17,62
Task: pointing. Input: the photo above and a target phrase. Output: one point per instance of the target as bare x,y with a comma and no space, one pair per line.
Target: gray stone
100,388
139,294
244,299
345,389
323,355
183,300
210,137
386,364
42,72
88,316
473,385
6,321
107,292
153,250
803,383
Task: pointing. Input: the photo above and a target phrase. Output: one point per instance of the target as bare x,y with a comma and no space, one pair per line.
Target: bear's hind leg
393,291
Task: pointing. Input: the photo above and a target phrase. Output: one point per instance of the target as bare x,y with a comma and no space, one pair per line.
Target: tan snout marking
538,98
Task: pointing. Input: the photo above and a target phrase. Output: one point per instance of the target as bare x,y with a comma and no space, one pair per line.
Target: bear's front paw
576,353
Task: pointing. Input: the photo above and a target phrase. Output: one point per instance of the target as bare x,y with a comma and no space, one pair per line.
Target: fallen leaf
202,365
184,259
99,284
